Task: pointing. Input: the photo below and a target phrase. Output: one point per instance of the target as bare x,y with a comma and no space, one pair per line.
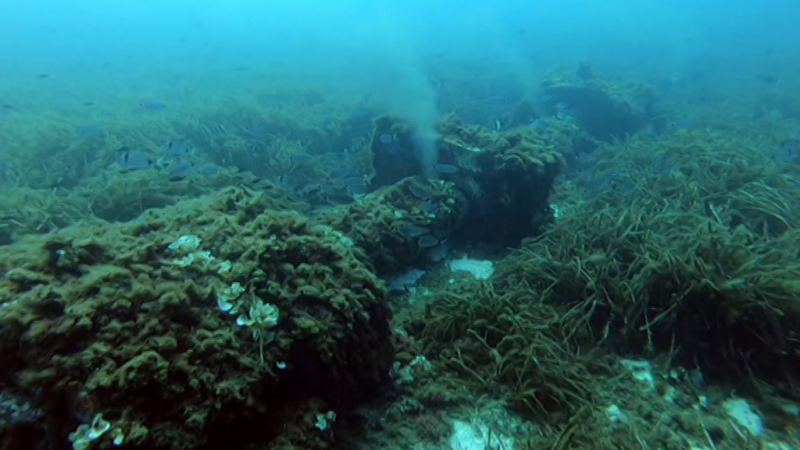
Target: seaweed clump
212,322
691,250
508,343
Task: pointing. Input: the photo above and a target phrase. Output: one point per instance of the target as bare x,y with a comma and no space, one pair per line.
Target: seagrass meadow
227,277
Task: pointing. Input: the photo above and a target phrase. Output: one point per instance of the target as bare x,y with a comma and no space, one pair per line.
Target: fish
88,103
410,230
686,121
357,191
257,131
301,158
404,282
43,76
788,151
430,207
133,160
446,168
360,115
768,115
498,101
661,165
419,191
355,182
565,111
208,169
181,171
152,105
338,198
541,123
178,148
342,173
765,78
427,241
89,131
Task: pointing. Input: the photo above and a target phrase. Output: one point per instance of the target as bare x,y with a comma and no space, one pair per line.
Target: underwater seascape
435,225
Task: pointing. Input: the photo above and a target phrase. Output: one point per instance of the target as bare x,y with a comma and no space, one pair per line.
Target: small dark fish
411,231
585,160
684,122
178,148
661,166
541,123
430,207
7,106
208,169
446,168
153,105
132,160
257,131
182,170
310,189
341,173
427,241
788,151
695,376
339,199
301,158
767,78
419,191
357,191
43,76
355,182
332,157
498,101
89,131
565,111
759,116
88,103
791,143
288,182
361,114
697,75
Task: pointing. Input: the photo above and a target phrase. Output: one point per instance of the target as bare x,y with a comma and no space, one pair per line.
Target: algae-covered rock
602,106
503,178
398,223
206,323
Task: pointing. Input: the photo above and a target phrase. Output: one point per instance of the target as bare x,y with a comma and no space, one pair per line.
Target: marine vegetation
686,256
692,241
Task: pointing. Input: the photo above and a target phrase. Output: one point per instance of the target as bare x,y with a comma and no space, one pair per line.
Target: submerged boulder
602,106
212,322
